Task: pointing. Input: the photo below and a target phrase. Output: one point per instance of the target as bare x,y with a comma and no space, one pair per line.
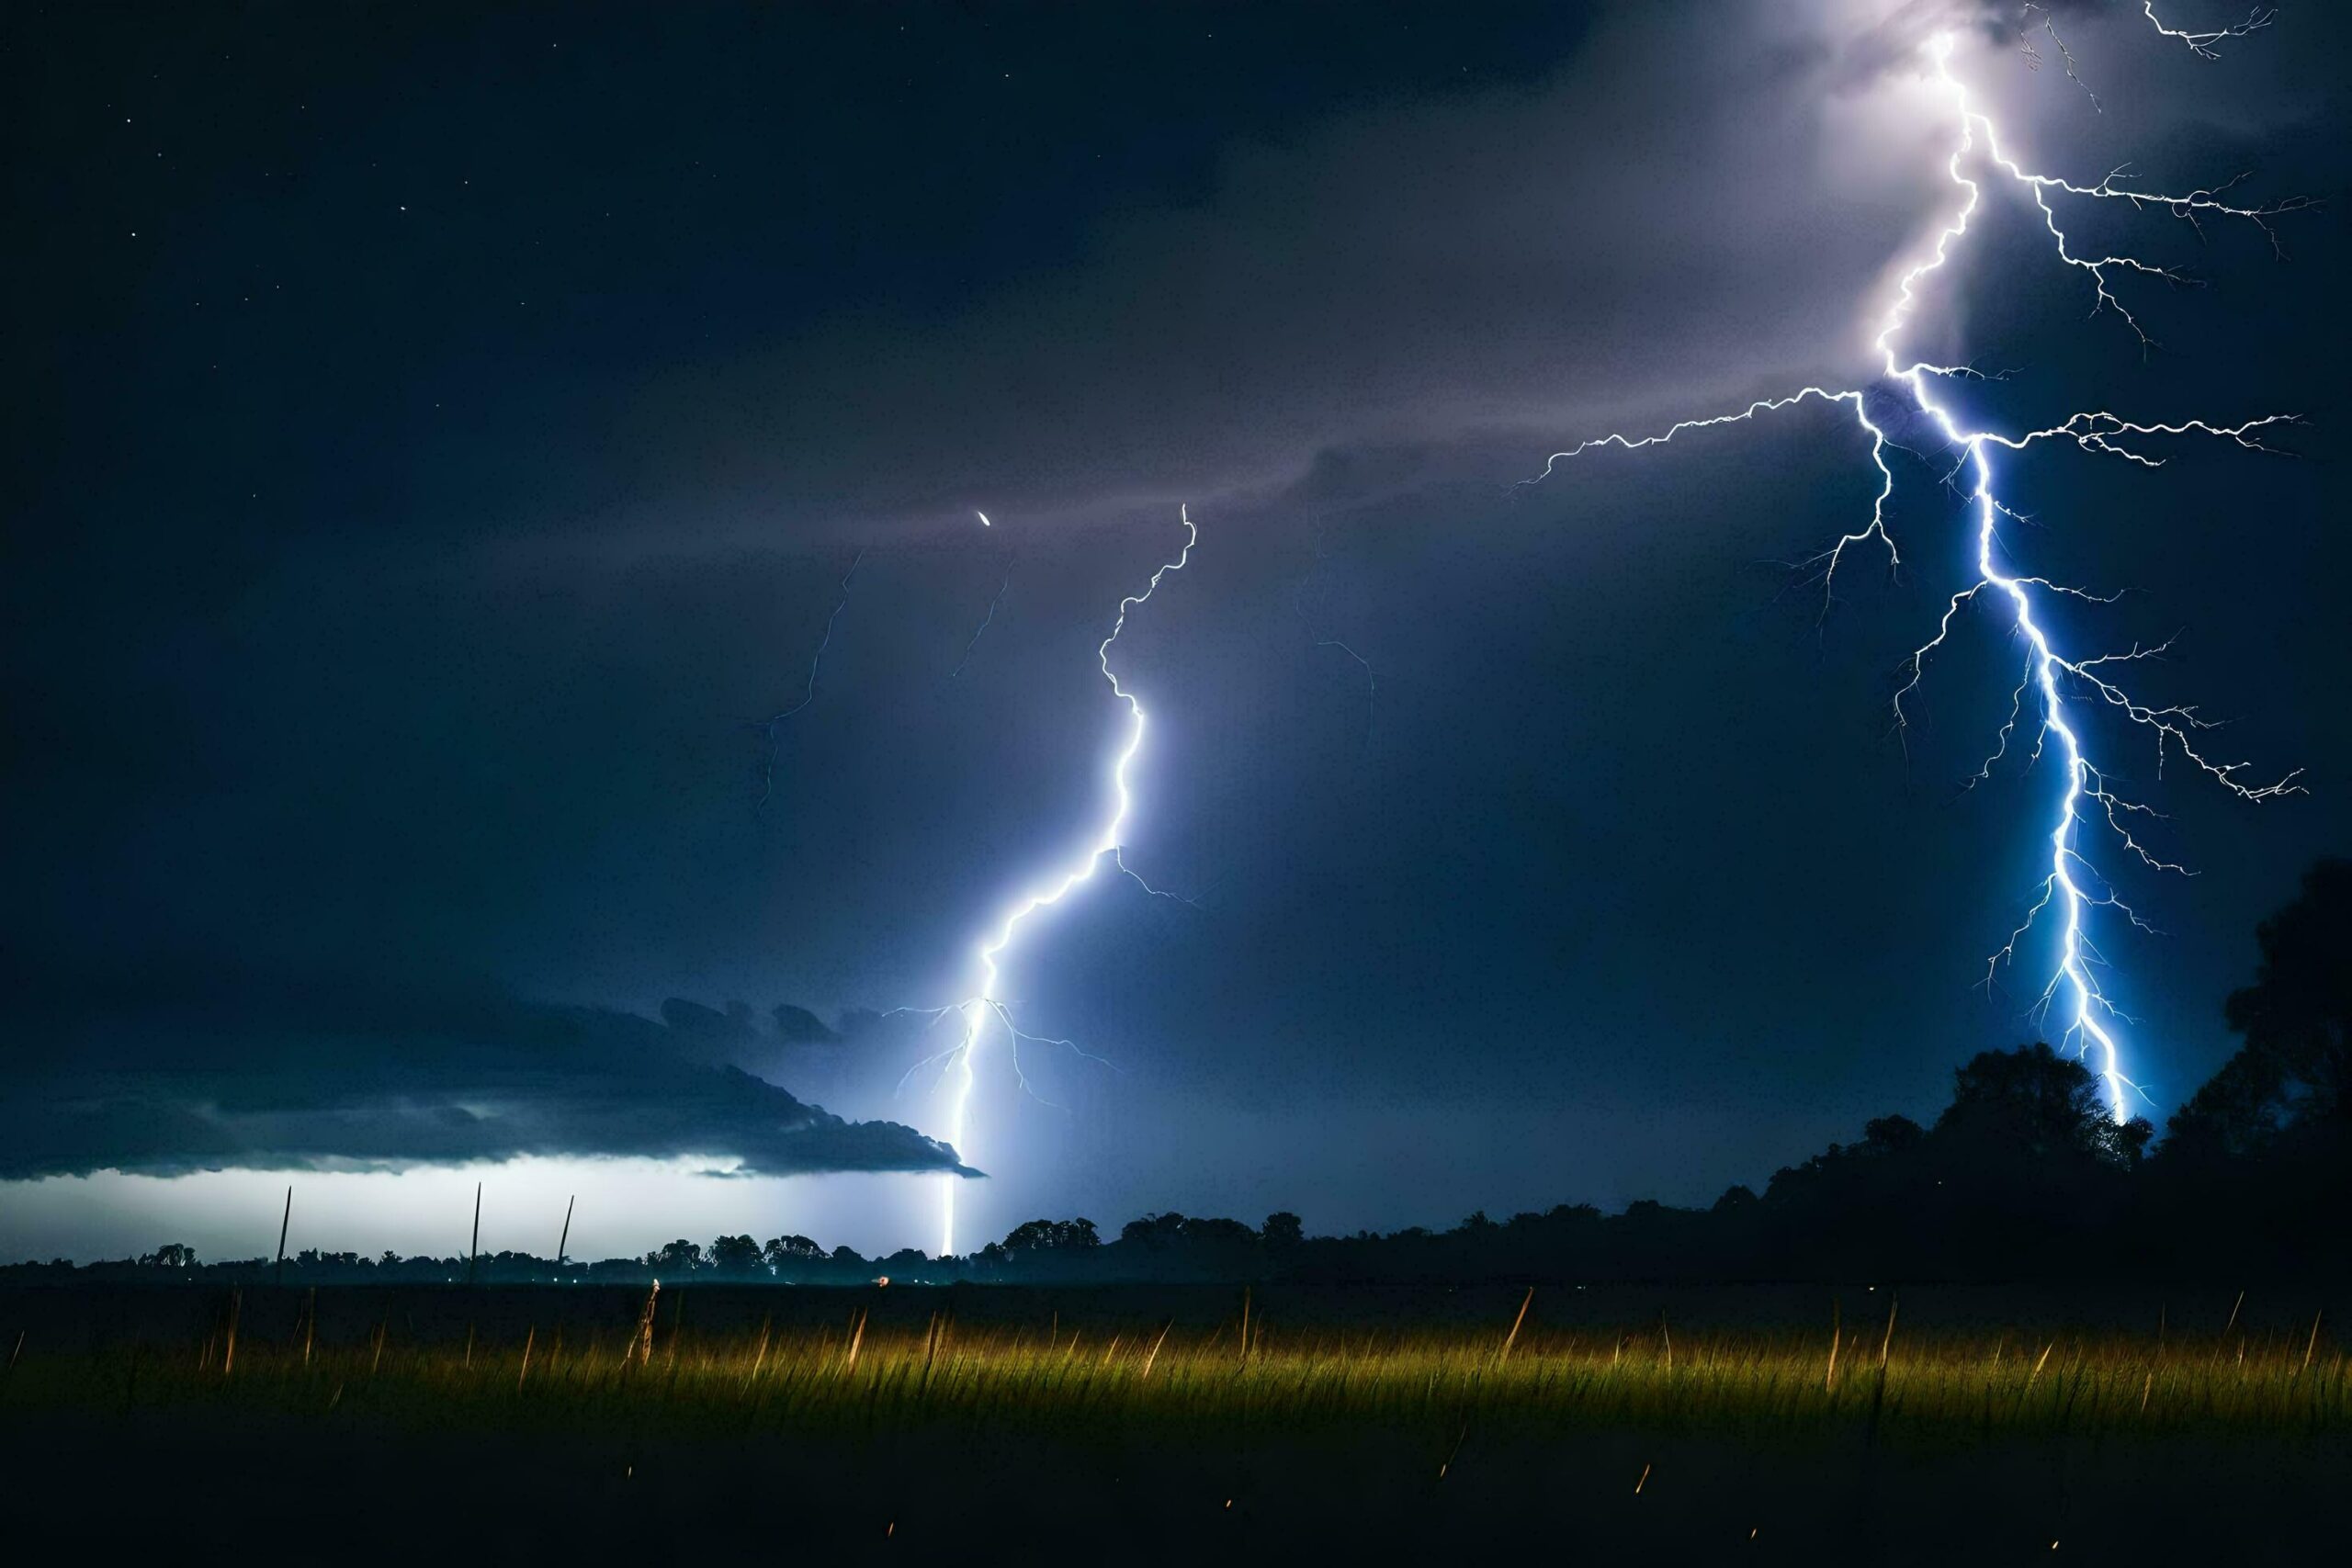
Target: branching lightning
986,1005
988,620
2055,686
2066,56
2202,44
772,729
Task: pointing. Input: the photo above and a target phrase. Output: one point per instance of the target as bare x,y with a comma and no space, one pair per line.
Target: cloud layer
175,1073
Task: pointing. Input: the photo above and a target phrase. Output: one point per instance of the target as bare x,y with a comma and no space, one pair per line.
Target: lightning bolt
2033,56
772,729
2055,686
986,621
2201,44
990,619
985,1006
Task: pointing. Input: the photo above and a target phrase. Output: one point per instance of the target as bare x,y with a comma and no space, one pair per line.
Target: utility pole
284,1220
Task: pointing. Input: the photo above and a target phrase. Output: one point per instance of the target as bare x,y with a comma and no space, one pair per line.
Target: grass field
941,1422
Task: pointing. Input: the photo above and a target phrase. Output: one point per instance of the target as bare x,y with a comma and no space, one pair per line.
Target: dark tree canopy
2293,1073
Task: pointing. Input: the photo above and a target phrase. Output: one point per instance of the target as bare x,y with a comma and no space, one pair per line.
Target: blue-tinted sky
434,439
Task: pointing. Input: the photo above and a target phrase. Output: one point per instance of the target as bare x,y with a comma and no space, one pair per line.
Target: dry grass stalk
760,1359
1512,1337
1888,1343
856,1339
229,1356
1831,1381
2312,1343
640,1343
527,1338
1147,1361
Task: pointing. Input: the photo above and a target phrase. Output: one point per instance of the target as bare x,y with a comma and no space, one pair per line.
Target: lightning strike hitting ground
985,1004
772,729
2060,685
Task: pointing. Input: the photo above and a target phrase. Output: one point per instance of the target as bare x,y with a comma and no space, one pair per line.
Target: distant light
984,519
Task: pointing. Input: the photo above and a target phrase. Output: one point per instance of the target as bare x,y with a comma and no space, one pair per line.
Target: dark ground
207,1482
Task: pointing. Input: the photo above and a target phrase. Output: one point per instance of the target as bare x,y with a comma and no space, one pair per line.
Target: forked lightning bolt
2056,687
2203,45
985,1005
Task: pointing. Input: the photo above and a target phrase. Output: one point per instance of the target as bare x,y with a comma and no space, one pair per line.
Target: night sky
435,442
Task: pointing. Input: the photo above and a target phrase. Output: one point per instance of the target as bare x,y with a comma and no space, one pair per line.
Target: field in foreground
1150,1424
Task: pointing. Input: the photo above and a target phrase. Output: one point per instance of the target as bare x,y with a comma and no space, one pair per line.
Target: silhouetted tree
679,1256
735,1254
1153,1230
2295,1068
786,1253
2029,1104
1052,1235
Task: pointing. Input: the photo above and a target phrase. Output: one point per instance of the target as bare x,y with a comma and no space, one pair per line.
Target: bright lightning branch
2056,690
985,1011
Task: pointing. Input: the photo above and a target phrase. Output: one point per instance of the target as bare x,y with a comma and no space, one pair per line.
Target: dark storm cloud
1706,216
166,1074
798,1026
472,443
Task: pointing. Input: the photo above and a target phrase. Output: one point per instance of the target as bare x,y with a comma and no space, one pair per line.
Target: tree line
2024,1175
